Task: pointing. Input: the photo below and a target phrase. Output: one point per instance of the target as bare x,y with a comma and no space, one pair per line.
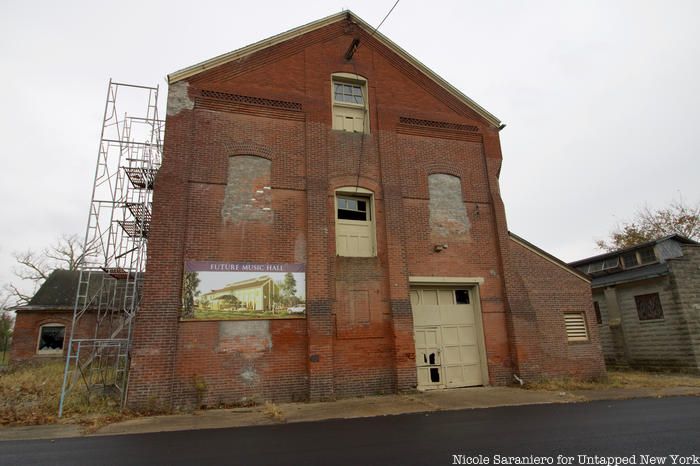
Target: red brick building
330,151
43,326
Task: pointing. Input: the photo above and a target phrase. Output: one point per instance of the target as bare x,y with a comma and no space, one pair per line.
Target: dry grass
620,379
29,395
274,412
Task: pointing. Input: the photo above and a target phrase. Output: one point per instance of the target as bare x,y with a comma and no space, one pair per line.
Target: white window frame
368,196
50,352
352,79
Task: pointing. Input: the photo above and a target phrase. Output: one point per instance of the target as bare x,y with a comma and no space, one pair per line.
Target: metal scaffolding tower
111,275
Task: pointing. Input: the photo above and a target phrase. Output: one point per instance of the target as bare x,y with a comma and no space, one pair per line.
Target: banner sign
243,290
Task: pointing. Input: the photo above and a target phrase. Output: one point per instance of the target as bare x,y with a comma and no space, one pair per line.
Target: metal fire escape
112,272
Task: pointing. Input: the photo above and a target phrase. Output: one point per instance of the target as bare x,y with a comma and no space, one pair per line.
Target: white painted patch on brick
178,99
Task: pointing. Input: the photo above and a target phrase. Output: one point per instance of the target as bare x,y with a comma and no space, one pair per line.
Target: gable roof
347,14
547,256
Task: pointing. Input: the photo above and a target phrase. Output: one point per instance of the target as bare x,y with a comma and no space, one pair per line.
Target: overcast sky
601,98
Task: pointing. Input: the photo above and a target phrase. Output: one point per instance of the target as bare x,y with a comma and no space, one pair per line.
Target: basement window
575,324
349,96
51,338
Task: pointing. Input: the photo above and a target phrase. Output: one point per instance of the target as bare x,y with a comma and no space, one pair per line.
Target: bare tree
648,224
33,267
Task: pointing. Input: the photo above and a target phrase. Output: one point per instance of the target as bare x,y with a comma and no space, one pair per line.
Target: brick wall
549,292
28,324
275,107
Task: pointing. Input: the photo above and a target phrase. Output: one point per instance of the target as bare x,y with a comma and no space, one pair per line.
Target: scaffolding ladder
112,272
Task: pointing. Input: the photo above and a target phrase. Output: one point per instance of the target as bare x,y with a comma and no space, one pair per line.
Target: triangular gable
279,38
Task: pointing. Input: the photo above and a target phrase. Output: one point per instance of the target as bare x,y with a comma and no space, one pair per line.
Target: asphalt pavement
602,432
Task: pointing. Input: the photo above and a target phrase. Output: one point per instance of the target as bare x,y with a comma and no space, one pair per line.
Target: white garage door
446,331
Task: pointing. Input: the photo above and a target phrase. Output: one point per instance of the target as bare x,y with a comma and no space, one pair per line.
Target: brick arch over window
448,214
248,193
248,148
439,167
446,168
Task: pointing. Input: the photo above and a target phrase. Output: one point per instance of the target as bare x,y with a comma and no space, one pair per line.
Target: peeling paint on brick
178,99
248,337
249,375
248,195
448,215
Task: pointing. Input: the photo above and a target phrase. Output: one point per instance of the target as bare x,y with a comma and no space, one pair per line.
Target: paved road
660,427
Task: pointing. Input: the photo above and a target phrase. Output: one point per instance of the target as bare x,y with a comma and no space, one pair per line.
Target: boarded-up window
649,306
576,326
248,195
448,214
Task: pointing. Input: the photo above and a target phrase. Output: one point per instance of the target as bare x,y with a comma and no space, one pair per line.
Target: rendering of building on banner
646,304
327,222
238,291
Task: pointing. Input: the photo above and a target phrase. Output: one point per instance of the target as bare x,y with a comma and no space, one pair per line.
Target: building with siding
647,304
330,147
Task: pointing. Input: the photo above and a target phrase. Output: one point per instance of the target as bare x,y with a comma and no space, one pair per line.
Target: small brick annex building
366,187
43,326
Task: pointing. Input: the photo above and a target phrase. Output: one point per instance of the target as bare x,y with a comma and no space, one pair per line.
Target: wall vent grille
259,101
437,124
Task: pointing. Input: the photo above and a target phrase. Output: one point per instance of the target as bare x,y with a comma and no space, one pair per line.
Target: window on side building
354,223
649,307
349,96
598,315
51,337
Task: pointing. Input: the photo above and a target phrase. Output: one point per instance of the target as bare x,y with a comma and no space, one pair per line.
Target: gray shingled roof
59,290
